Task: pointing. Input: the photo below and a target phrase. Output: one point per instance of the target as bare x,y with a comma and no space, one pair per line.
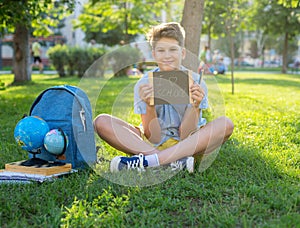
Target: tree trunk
263,57
284,54
192,23
0,54
21,61
232,61
231,41
209,37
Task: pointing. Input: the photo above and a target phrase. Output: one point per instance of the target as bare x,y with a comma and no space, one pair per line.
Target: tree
225,20
174,9
289,3
192,23
211,23
22,16
277,20
233,23
109,22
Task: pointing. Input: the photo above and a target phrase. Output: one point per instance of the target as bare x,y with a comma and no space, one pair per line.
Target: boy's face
168,54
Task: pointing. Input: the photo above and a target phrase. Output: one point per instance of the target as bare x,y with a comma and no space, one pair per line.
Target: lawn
252,182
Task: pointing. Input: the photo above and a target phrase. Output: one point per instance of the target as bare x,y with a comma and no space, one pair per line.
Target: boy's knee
229,126
100,122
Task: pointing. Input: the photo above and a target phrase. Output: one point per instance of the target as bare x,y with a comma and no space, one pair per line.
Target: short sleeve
139,104
204,102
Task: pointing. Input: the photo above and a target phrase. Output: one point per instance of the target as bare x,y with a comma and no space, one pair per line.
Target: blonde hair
171,30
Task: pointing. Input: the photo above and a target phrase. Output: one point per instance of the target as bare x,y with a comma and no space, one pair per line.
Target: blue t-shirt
169,116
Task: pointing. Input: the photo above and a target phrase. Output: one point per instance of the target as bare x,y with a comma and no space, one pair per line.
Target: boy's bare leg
204,141
121,135
126,138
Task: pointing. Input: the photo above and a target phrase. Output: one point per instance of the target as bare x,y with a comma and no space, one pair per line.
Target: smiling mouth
168,62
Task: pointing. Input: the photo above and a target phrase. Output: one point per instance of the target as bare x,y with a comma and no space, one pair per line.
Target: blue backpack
68,108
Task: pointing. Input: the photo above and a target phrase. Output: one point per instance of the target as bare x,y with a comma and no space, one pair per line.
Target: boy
169,133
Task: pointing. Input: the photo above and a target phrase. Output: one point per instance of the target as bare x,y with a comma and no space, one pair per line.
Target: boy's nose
167,53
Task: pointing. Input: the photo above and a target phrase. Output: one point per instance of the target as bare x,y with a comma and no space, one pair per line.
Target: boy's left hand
197,94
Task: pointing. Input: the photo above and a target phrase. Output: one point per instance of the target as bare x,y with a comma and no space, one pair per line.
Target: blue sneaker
137,162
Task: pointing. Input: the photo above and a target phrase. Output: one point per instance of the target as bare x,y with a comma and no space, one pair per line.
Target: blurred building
68,35
74,37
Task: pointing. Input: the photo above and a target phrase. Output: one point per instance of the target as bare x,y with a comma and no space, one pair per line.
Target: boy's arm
190,119
151,125
152,129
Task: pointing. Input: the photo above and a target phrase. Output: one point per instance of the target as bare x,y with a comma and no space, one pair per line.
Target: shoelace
137,163
176,165
141,158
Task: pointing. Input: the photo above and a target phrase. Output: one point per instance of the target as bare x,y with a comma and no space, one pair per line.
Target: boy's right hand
145,93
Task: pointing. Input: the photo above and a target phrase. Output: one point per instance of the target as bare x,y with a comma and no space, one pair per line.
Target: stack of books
31,171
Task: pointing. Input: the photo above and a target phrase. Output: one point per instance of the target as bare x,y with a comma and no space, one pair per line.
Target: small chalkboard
170,87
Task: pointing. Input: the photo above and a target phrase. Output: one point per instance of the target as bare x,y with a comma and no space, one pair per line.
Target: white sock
152,160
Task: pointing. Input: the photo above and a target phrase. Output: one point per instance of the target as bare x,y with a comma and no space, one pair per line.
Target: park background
246,33
254,181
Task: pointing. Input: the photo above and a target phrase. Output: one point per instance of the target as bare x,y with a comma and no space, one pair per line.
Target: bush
71,60
82,60
58,56
98,70
74,59
124,58
2,85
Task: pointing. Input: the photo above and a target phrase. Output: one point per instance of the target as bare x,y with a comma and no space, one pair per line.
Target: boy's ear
153,53
183,53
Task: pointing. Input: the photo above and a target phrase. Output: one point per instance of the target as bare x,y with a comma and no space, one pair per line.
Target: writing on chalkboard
170,87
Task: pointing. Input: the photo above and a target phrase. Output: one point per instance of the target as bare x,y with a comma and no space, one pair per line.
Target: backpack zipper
82,117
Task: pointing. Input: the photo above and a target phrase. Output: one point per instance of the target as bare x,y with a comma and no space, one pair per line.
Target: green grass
256,69
253,182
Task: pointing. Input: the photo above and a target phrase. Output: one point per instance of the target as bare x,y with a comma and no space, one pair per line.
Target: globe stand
34,161
38,162
40,166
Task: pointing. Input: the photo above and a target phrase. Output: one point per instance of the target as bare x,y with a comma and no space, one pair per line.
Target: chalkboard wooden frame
171,87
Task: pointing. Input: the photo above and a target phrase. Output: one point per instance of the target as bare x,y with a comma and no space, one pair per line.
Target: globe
29,133
55,141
